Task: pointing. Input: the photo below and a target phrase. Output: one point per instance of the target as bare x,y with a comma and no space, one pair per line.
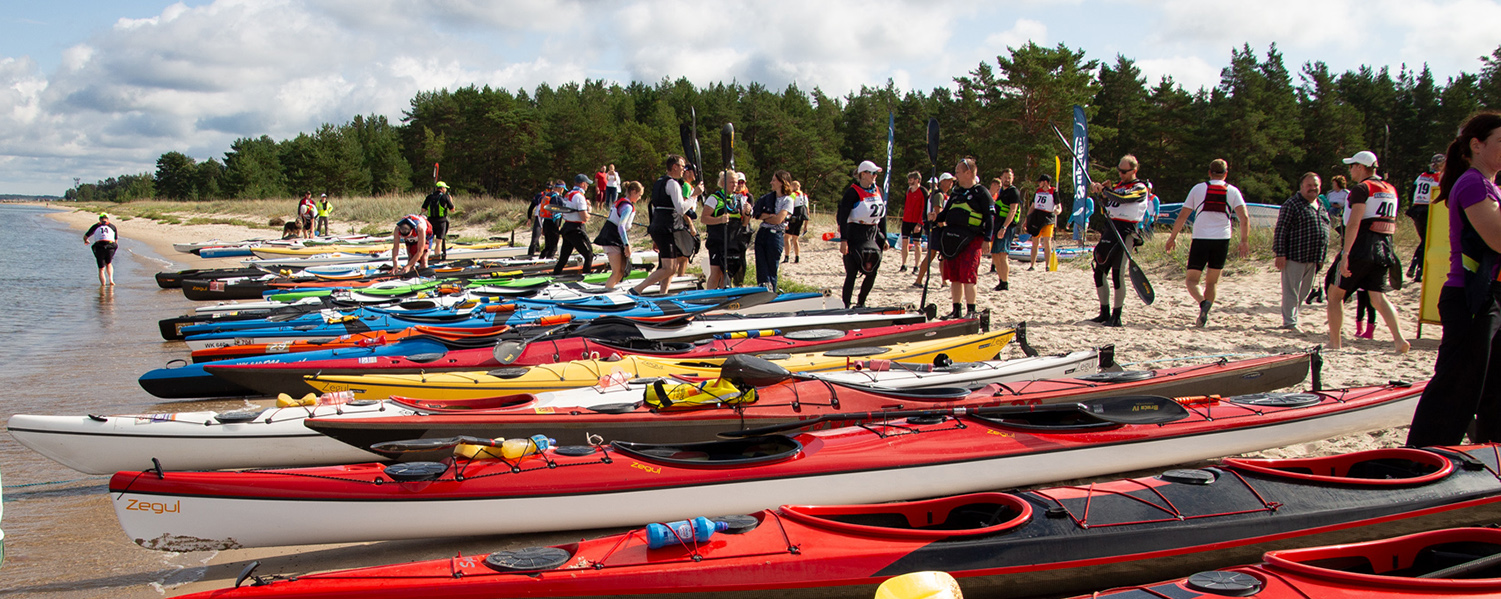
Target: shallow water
69,347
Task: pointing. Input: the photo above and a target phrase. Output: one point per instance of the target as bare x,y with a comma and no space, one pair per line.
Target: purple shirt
1471,189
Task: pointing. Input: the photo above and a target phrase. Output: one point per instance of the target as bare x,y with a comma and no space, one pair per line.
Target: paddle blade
1140,283
508,351
933,140
748,370
1135,409
727,144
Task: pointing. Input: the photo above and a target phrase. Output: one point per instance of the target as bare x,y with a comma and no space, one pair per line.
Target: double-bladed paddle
1126,409
1139,280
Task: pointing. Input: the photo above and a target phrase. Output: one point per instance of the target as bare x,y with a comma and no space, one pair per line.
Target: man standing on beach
1212,203
1008,201
436,207
912,209
935,206
1124,201
967,220
325,208
104,237
1423,192
1300,242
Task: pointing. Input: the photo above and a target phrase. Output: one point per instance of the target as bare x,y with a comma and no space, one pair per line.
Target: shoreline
1054,304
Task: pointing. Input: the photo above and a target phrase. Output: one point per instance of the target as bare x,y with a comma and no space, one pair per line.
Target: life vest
1380,207
1215,198
615,215
105,234
870,208
324,208
420,229
1425,188
436,208
961,213
686,396
724,205
306,208
575,195
1126,201
551,200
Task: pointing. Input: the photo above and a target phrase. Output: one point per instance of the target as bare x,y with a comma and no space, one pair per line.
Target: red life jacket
1214,199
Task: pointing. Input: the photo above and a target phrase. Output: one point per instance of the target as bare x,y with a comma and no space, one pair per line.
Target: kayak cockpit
970,515
727,453
1398,466
1457,561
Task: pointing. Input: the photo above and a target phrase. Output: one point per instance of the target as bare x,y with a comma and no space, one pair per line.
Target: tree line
1269,123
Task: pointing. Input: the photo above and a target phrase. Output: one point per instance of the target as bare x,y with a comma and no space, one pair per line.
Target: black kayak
173,280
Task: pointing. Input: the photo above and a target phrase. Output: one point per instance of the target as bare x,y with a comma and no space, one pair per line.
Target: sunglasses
1124,170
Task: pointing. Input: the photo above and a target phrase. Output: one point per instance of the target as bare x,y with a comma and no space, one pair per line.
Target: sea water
69,347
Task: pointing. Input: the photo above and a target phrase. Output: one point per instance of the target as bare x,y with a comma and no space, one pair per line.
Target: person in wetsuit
862,231
1124,203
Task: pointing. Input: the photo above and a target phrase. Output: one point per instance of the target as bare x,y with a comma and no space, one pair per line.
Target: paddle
727,156
1126,409
1139,281
739,303
933,160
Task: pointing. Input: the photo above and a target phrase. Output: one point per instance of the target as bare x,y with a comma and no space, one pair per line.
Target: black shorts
667,248
908,229
1039,219
1208,252
104,253
795,226
1366,275
440,228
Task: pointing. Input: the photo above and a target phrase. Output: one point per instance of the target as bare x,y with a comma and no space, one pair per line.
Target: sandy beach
1055,305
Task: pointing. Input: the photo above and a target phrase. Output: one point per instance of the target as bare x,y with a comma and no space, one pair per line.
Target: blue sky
93,89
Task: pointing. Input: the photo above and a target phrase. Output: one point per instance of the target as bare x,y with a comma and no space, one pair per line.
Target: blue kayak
193,381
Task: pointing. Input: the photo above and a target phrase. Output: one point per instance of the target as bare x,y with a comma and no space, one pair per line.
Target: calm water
68,348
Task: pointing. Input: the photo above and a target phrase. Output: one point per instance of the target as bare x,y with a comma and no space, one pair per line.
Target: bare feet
1402,346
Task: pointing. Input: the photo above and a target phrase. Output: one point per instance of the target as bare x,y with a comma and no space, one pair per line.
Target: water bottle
683,531
512,449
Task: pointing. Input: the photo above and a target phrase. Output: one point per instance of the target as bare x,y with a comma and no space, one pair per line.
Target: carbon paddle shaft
1139,281
922,305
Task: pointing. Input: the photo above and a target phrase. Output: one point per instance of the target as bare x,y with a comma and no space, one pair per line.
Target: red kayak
897,455
787,401
366,339
279,377
1048,540
1457,562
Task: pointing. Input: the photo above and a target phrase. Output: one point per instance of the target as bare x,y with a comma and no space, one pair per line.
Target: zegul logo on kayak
154,507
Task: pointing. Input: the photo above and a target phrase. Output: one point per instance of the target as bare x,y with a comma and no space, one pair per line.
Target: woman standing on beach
1461,390
104,239
615,238
772,210
862,230
796,224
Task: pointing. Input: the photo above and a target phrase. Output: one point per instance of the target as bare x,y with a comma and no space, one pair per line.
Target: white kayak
252,438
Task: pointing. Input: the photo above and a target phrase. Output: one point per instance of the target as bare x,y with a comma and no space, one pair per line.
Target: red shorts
965,268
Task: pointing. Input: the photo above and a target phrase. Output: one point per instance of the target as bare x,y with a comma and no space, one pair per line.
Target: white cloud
1190,72
1443,32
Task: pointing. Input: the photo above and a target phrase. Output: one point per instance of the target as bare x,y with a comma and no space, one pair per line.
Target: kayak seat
1378,467
962,516
727,453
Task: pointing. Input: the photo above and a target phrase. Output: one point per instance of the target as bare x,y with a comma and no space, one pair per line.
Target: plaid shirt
1302,233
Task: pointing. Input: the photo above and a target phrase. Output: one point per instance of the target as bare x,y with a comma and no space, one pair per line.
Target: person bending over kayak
1124,202
104,237
862,231
415,234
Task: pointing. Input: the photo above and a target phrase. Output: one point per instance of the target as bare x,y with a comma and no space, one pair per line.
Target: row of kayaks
791,453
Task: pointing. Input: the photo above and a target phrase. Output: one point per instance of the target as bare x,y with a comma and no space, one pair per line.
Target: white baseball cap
867,167
1363,157
945,177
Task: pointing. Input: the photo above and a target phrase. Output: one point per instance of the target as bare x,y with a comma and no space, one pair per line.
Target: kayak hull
616,487
994,544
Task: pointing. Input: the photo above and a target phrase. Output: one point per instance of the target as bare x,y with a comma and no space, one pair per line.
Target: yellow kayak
584,373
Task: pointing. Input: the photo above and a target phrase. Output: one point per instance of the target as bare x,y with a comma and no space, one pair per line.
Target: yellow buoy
920,585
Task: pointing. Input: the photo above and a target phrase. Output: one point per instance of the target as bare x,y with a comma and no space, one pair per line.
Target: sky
97,88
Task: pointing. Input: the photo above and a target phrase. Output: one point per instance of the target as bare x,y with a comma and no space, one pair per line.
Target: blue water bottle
683,531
